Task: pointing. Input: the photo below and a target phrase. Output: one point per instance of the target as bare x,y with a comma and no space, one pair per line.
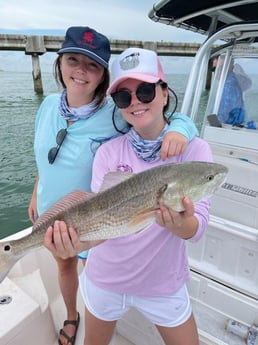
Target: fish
126,204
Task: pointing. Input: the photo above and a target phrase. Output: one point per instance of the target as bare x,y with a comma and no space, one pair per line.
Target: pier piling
36,74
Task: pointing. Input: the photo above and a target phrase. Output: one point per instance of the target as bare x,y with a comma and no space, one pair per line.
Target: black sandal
75,323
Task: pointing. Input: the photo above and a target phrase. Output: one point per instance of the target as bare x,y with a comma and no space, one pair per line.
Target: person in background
69,128
149,270
232,108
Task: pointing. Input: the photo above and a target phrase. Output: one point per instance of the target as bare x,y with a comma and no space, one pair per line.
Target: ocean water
18,107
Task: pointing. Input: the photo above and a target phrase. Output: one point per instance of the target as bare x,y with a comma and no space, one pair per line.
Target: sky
117,19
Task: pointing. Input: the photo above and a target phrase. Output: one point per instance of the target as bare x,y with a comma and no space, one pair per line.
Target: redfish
125,208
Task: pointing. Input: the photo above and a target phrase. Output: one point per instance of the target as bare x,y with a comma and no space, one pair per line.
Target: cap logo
130,61
87,39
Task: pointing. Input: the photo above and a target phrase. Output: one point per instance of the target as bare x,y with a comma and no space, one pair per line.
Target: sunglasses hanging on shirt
54,150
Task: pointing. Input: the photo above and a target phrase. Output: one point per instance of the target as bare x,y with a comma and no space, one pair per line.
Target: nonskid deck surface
211,324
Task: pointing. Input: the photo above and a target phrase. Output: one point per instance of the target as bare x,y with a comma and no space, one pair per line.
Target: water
18,107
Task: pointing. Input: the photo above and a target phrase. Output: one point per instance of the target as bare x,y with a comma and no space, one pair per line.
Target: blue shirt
232,109
72,167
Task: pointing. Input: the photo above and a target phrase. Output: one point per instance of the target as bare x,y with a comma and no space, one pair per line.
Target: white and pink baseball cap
136,63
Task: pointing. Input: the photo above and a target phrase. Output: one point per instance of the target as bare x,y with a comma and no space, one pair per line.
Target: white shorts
167,311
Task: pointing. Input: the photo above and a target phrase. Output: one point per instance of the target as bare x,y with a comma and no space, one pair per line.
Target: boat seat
26,313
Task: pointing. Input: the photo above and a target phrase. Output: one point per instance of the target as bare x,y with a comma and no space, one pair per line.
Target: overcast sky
118,19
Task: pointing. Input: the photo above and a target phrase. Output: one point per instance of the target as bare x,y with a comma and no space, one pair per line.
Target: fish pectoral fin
143,220
113,178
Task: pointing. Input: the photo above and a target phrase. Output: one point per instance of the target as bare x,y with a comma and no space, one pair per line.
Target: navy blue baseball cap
86,41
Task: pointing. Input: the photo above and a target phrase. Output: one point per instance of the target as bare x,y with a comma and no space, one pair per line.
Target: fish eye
210,177
7,248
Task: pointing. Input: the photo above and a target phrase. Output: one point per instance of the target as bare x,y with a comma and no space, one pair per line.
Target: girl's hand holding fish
183,224
64,242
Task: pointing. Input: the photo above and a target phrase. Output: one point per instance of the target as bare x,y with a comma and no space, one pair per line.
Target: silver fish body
125,208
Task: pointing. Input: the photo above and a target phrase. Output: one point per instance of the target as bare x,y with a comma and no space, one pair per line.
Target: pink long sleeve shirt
153,262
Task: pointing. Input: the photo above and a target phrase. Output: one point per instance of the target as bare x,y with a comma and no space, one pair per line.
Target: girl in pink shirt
148,270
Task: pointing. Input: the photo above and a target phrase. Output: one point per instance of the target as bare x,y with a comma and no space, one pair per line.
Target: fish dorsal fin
113,178
68,201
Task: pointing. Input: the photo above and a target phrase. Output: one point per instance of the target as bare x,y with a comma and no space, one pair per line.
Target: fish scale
125,208
103,224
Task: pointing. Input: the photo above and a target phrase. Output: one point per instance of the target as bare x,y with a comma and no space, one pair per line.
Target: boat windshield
234,91
233,99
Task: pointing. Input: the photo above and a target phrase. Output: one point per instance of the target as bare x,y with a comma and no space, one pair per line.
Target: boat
224,270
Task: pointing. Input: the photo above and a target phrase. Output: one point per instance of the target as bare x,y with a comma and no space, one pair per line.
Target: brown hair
164,86
100,91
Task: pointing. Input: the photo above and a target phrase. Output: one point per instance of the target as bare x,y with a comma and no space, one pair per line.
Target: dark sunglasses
145,93
54,150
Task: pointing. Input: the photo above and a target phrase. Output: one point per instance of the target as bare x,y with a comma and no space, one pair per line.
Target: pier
36,45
